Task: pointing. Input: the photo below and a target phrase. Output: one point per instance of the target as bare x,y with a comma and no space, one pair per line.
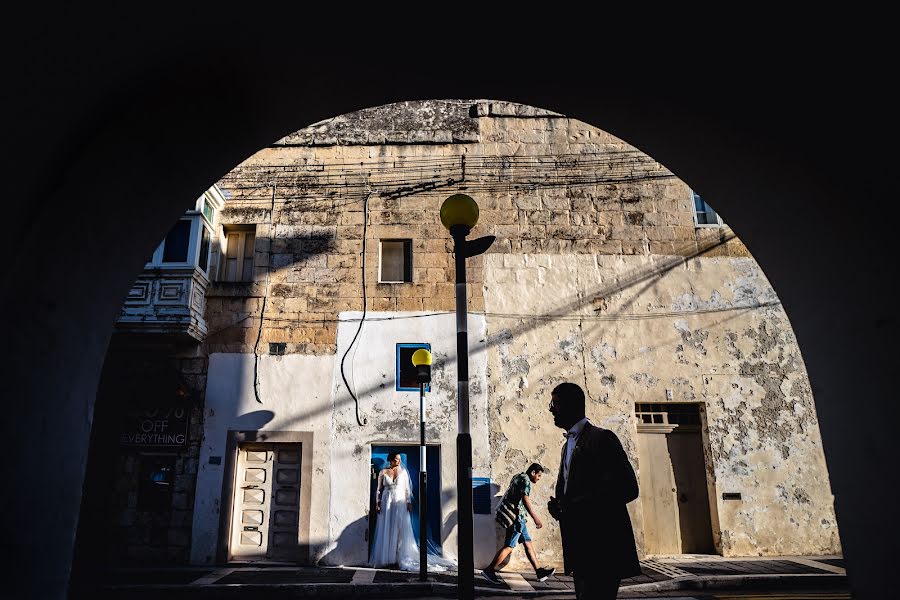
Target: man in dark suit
595,483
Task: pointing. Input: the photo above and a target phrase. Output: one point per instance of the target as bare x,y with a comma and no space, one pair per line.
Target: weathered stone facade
599,276
118,525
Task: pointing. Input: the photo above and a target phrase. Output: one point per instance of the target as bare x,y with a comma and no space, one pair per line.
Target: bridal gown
394,542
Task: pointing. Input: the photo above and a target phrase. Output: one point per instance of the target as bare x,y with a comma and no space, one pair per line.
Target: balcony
168,301
169,296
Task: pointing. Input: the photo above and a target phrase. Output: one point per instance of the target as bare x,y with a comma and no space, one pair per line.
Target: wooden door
252,502
658,493
284,526
266,503
688,466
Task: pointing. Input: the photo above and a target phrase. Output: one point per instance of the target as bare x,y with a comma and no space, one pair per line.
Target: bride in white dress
394,542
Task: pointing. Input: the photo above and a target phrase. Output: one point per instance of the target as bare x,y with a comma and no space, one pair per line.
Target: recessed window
395,261
237,263
704,215
406,372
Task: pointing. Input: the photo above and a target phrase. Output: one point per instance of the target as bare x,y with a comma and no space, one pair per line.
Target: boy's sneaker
543,574
491,576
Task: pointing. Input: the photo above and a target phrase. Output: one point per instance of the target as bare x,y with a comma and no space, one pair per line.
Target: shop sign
155,428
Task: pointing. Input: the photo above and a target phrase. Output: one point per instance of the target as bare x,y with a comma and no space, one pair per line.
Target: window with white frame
704,215
237,254
187,245
395,261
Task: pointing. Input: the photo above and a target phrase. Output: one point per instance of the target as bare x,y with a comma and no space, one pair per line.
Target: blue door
409,457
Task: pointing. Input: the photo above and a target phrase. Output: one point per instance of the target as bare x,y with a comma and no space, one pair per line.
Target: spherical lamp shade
421,357
459,209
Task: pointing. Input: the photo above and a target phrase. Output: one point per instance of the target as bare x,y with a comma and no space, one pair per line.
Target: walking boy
518,493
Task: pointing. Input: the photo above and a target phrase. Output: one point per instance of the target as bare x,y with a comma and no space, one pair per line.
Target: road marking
364,576
516,582
213,577
819,565
668,569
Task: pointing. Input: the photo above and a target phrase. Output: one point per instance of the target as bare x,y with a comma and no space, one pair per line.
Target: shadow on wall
349,545
252,421
487,537
648,276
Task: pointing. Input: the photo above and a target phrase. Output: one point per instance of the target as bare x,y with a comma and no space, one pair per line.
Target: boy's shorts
518,531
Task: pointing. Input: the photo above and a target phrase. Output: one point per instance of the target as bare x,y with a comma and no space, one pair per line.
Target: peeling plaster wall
627,328
393,418
599,275
295,397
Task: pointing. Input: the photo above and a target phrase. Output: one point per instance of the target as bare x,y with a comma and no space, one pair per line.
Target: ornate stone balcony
168,301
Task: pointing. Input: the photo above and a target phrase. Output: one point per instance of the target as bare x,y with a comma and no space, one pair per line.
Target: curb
746,582
445,590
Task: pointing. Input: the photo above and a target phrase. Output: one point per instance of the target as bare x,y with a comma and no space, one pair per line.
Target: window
207,209
395,261
237,264
204,250
157,475
704,215
667,413
177,242
406,372
187,245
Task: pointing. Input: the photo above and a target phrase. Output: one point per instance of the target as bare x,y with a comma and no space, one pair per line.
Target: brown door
686,452
658,493
673,483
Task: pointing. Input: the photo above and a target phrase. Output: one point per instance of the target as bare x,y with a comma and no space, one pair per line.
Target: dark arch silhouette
114,128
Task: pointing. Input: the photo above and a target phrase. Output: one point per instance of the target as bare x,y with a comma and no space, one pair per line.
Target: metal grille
667,413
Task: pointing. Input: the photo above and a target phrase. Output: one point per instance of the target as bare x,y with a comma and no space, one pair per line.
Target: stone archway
97,182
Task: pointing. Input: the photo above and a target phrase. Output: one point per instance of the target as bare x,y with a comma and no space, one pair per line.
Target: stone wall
545,184
136,534
598,275
708,330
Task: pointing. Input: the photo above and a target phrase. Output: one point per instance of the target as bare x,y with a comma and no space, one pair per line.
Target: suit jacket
596,528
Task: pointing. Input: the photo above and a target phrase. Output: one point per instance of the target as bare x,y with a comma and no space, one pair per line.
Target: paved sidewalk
660,574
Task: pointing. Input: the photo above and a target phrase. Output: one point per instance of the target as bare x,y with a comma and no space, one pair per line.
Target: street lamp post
421,359
459,214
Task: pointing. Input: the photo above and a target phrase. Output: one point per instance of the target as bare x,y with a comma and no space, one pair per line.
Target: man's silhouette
595,483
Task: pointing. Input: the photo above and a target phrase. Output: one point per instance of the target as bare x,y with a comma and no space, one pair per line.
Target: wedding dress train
394,542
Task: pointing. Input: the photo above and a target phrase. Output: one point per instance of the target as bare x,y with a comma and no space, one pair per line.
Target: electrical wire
402,176
356,335
518,316
262,312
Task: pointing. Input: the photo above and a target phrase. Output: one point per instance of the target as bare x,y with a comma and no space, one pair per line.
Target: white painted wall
306,393
393,418
295,396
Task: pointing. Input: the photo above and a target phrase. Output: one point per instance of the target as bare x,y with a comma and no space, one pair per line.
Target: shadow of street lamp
459,214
